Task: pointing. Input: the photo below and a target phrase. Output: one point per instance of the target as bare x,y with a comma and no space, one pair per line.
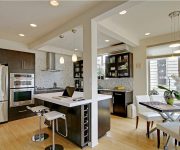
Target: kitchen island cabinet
78,115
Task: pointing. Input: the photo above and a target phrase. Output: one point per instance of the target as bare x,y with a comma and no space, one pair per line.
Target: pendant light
174,29
61,60
74,56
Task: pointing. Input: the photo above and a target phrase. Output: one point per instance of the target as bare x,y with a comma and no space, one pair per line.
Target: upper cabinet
119,66
18,61
78,69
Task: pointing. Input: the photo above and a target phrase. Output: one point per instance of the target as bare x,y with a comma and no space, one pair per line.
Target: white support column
90,74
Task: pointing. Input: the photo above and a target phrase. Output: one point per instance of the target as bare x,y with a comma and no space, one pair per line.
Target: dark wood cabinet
78,69
120,102
103,117
28,61
18,61
120,65
19,113
79,120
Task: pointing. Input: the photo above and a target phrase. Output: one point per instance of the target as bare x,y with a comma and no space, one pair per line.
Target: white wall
140,65
45,78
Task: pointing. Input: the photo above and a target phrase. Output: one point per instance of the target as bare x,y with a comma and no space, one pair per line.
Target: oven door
20,97
24,83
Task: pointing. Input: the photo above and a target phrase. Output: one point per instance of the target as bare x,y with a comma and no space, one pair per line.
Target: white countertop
68,102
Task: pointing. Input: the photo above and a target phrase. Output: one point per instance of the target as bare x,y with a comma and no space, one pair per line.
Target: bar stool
51,116
39,110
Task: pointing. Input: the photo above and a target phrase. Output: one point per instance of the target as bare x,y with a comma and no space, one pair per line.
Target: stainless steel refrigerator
3,93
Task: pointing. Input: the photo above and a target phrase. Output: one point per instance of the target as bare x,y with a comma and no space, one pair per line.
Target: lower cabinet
120,102
19,112
79,121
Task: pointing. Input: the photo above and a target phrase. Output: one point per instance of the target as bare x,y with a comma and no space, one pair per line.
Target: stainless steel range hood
50,62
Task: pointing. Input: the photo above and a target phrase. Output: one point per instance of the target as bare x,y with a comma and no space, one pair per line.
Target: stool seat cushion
37,109
54,115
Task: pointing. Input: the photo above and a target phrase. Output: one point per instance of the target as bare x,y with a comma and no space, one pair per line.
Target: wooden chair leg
148,126
137,121
158,138
152,123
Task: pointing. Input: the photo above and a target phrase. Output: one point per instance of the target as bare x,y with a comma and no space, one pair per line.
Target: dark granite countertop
48,90
113,90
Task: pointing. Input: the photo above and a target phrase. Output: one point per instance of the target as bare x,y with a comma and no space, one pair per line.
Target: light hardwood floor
16,135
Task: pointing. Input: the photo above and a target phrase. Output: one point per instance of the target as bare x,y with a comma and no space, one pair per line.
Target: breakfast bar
78,113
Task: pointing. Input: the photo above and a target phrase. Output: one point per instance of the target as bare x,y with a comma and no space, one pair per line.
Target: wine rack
85,117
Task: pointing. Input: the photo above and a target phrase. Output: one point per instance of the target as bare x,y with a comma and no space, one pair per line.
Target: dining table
168,112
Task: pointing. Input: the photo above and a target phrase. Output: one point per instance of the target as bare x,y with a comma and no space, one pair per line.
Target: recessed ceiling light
106,40
177,51
123,12
76,49
21,34
147,33
33,25
54,2
174,45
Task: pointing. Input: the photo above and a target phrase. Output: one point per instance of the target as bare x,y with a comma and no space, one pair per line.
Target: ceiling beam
60,51
98,10
118,35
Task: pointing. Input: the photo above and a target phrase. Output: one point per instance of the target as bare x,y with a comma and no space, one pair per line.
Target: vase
170,101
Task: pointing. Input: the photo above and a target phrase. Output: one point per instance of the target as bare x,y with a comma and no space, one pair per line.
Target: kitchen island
78,114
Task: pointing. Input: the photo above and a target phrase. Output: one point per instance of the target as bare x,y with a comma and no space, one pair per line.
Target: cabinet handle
118,94
21,64
21,111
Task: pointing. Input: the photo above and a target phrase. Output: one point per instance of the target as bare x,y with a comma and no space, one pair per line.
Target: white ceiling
16,16
151,16
72,41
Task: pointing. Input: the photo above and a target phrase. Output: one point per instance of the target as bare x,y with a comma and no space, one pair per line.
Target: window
101,60
160,71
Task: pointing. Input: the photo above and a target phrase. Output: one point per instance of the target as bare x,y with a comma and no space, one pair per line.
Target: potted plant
170,95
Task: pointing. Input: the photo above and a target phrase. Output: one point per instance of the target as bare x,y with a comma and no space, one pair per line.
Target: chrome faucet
54,85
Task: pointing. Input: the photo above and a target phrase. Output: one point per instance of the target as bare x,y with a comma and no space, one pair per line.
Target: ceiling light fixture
174,18
21,34
61,60
147,33
177,51
54,3
61,36
33,25
74,56
123,12
106,40
76,49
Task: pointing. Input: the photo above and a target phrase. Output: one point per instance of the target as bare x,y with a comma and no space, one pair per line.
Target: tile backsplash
46,78
112,82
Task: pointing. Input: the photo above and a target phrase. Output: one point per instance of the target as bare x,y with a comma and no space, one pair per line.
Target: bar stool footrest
57,147
40,137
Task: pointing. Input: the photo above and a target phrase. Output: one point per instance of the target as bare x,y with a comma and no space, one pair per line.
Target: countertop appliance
3,93
21,89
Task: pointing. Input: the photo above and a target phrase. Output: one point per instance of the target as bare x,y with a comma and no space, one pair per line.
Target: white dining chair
157,98
172,129
145,113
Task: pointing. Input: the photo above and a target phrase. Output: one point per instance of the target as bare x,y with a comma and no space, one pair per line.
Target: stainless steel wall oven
21,89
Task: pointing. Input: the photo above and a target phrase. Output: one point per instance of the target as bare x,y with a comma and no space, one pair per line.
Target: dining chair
172,129
157,98
145,113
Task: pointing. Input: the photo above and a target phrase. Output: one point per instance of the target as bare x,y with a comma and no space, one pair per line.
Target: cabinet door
28,61
119,107
15,62
3,57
